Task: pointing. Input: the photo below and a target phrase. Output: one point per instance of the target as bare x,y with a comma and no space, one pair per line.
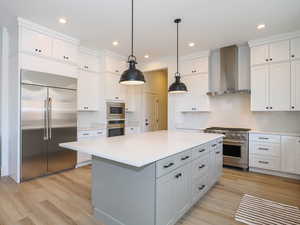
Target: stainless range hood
230,70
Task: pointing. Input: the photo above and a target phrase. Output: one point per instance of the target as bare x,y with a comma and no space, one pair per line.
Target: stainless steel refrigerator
48,117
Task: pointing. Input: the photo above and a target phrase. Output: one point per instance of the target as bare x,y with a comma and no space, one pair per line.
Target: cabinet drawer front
184,157
200,151
265,138
98,132
200,166
260,148
200,187
166,165
84,134
265,162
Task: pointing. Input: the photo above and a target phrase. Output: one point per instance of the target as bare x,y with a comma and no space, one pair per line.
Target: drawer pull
202,150
214,145
263,138
220,142
264,149
218,152
169,165
85,134
178,175
201,187
185,158
201,167
263,162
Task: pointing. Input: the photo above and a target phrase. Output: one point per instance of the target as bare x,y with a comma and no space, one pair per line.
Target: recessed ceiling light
62,20
115,43
191,44
146,56
261,26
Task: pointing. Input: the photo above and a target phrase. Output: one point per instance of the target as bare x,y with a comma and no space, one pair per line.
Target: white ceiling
208,23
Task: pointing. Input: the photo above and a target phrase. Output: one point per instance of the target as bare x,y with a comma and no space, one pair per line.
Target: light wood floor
64,199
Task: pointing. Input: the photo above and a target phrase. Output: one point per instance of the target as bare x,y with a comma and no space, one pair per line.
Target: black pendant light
132,76
177,86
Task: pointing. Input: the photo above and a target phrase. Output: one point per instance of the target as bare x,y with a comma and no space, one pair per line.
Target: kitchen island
152,178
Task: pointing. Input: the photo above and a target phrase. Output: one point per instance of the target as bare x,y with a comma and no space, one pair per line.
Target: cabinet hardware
267,60
263,162
214,145
116,97
85,134
271,59
293,107
267,107
169,165
271,107
40,51
117,71
293,56
263,138
202,150
85,107
201,187
36,50
185,158
264,149
218,152
201,167
220,142
178,175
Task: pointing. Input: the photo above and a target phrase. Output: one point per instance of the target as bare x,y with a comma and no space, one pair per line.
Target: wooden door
259,88
280,86
151,112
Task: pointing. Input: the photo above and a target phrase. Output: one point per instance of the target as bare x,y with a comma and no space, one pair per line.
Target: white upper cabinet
130,98
295,81
295,48
196,98
259,88
279,87
259,54
114,64
114,91
89,85
89,62
65,51
273,52
290,154
279,51
35,42
194,66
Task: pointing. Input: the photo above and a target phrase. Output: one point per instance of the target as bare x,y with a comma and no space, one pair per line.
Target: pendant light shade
132,76
177,86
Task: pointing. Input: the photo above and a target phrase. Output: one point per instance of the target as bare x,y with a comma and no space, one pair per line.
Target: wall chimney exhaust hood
230,70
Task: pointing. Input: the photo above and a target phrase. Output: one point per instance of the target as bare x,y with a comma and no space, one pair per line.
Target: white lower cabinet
184,178
277,153
132,130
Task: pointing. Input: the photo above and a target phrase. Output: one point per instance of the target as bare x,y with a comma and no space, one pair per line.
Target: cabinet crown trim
274,38
196,55
44,30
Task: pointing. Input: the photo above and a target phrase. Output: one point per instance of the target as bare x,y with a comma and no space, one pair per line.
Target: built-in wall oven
115,119
115,110
235,146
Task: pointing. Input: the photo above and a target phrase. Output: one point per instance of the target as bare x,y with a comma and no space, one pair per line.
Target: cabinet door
279,51
130,99
88,91
259,55
298,156
65,51
37,43
259,88
295,89
115,64
200,65
186,67
280,86
290,154
113,89
295,48
89,63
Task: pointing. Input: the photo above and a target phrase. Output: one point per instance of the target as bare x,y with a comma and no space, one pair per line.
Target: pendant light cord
177,49
131,27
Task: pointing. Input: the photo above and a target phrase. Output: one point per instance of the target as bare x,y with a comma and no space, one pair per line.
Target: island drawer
199,188
200,166
200,150
166,165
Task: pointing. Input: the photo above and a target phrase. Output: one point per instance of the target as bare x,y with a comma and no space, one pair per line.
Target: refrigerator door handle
46,130
50,118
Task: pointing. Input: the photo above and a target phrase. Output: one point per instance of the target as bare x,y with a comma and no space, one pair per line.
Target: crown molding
195,55
274,38
44,30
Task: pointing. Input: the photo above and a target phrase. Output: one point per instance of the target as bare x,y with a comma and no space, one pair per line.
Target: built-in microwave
115,128
115,110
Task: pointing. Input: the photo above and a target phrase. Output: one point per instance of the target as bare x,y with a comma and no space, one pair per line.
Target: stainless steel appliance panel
115,110
34,132
62,128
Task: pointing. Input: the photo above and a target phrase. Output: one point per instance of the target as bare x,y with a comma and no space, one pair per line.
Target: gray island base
159,192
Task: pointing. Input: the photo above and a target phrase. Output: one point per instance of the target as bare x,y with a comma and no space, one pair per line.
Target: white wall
4,104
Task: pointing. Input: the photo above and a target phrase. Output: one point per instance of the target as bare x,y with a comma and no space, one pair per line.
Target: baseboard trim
275,173
85,163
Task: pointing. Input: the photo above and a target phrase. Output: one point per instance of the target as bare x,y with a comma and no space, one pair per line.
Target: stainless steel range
235,146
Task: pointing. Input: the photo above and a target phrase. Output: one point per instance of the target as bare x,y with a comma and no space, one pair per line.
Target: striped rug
259,211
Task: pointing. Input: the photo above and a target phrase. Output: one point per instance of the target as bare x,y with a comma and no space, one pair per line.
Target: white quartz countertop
275,133
141,149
